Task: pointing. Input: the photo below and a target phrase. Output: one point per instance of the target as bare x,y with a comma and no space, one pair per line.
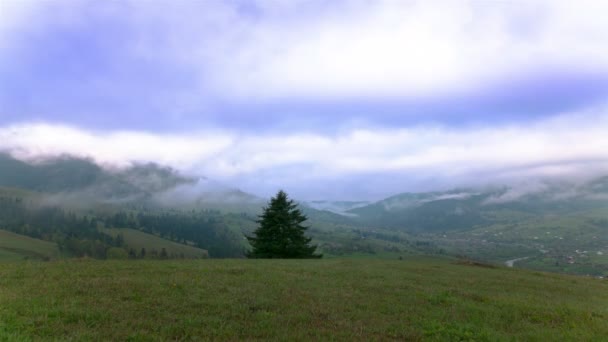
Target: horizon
346,100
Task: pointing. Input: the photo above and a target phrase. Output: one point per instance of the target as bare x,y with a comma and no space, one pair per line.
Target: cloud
341,98
121,148
392,160
515,193
13,14
149,65
381,48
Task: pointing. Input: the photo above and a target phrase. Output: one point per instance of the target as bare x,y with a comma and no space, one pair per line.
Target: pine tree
280,233
163,253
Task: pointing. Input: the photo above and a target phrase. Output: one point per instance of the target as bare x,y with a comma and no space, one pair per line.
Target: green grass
338,299
137,240
18,247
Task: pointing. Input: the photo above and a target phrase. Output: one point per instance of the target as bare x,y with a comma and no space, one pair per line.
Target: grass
18,247
137,240
338,299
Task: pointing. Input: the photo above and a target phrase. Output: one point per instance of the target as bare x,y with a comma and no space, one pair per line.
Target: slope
466,209
304,300
82,180
153,244
18,247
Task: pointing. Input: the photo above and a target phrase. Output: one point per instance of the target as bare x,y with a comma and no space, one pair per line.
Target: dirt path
511,263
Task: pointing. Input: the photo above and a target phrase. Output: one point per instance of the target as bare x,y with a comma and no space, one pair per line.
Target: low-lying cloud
314,166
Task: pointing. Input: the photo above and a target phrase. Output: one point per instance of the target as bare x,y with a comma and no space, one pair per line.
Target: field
137,240
18,247
339,299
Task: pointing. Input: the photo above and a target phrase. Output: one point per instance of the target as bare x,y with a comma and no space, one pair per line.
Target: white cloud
337,49
382,48
13,14
563,146
346,48
31,141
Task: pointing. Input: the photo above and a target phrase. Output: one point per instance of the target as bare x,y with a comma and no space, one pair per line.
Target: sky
345,99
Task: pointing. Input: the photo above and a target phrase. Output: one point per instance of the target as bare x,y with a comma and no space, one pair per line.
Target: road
511,262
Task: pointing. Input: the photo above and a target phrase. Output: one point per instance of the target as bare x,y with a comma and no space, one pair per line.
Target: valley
558,227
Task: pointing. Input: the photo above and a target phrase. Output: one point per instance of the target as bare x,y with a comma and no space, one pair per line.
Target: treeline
79,235
75,235
203,229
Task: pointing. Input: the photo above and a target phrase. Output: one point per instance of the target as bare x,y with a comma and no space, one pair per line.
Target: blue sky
343,99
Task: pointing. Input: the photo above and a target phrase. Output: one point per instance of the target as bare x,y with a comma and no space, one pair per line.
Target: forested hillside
79,234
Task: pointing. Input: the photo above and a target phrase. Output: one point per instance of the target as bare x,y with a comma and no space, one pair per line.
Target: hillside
61,174
338,207
78,182
347,300
555,226
19,247
465,209
571,243
153,244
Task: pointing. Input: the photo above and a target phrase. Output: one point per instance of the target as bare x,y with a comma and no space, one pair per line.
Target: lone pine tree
280,233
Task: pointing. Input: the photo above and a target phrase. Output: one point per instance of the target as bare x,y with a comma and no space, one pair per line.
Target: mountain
74,203
208,194
457,209
337,207
83,180
465,209
62,174
82,200
73,182
79,182
557,226
69,201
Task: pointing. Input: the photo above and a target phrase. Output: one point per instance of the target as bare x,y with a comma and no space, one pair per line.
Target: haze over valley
556,224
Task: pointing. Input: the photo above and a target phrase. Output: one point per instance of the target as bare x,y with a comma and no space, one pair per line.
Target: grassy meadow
19,247
137,240
335,299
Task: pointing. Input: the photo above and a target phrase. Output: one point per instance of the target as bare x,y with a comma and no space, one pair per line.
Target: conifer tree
280,233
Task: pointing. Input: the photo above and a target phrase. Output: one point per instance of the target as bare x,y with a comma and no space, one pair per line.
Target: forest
79,235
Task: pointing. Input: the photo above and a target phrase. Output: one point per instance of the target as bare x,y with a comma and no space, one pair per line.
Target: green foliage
280,233
202,229
74,234
79,235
